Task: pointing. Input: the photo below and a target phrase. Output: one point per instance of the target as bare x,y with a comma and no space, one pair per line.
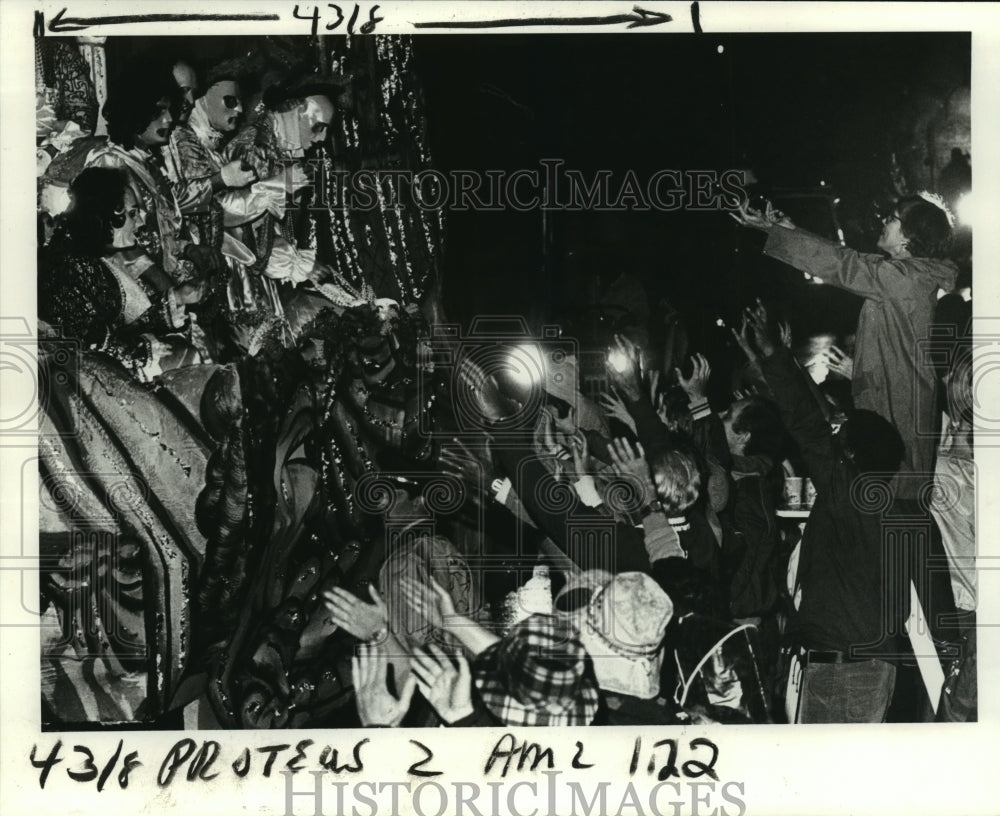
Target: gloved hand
233,174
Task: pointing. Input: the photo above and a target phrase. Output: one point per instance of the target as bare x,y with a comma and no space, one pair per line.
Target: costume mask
387,308
157,132
223,105
314,120
124,222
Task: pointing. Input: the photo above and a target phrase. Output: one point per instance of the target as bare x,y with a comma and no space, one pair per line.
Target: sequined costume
105,306
217,219
315,438
122,558
163,235
280,239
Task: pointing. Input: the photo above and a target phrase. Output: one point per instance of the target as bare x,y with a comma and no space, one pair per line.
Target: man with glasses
291,134
201,178
218,196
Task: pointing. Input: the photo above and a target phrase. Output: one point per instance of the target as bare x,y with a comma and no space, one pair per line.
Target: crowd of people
653,580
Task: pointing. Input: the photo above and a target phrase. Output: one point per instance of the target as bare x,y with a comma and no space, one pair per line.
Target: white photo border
889,769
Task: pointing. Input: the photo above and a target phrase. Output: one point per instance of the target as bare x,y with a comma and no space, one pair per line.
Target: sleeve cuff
501,490
661,538
587,491
699,409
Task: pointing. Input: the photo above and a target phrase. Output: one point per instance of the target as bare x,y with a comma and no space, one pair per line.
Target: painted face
157,132
224,105
187,82
892,240
125,221
314,120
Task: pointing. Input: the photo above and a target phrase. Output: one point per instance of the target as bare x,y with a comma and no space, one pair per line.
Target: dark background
819,116
798,110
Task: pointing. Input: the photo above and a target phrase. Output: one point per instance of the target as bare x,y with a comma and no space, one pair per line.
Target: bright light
721,49
720,323
618,361
963,209
525,365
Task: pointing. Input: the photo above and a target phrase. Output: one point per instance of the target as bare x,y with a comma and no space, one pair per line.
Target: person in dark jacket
846,609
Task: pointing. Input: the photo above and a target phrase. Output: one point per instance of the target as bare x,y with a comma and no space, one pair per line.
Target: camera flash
618,361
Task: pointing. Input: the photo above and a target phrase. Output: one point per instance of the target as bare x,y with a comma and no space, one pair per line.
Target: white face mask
124,236
302,126
314,120
386,308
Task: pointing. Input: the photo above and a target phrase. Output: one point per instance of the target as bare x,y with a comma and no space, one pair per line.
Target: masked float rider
285,240
218,197
139,124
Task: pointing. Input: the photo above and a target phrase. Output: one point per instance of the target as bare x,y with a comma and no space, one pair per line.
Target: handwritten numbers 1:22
336,18
692,768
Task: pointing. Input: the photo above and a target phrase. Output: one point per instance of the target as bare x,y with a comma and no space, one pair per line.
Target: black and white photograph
559,385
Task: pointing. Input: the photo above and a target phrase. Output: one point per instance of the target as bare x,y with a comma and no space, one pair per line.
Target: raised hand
777,217
631,464
661,407
743,339
696,386
365,621
459,460
434,604
785,329
614,406
653,381
756,320
837,360
565,425
376,704
549,441
581,453
747,216
763,220
445,603
445,685
421,600
429,601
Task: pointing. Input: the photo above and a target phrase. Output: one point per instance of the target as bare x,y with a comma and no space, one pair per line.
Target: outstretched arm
799,410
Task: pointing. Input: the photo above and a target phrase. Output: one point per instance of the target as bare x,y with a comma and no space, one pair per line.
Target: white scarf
198,122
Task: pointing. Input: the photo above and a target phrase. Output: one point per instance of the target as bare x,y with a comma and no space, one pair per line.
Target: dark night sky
798,109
